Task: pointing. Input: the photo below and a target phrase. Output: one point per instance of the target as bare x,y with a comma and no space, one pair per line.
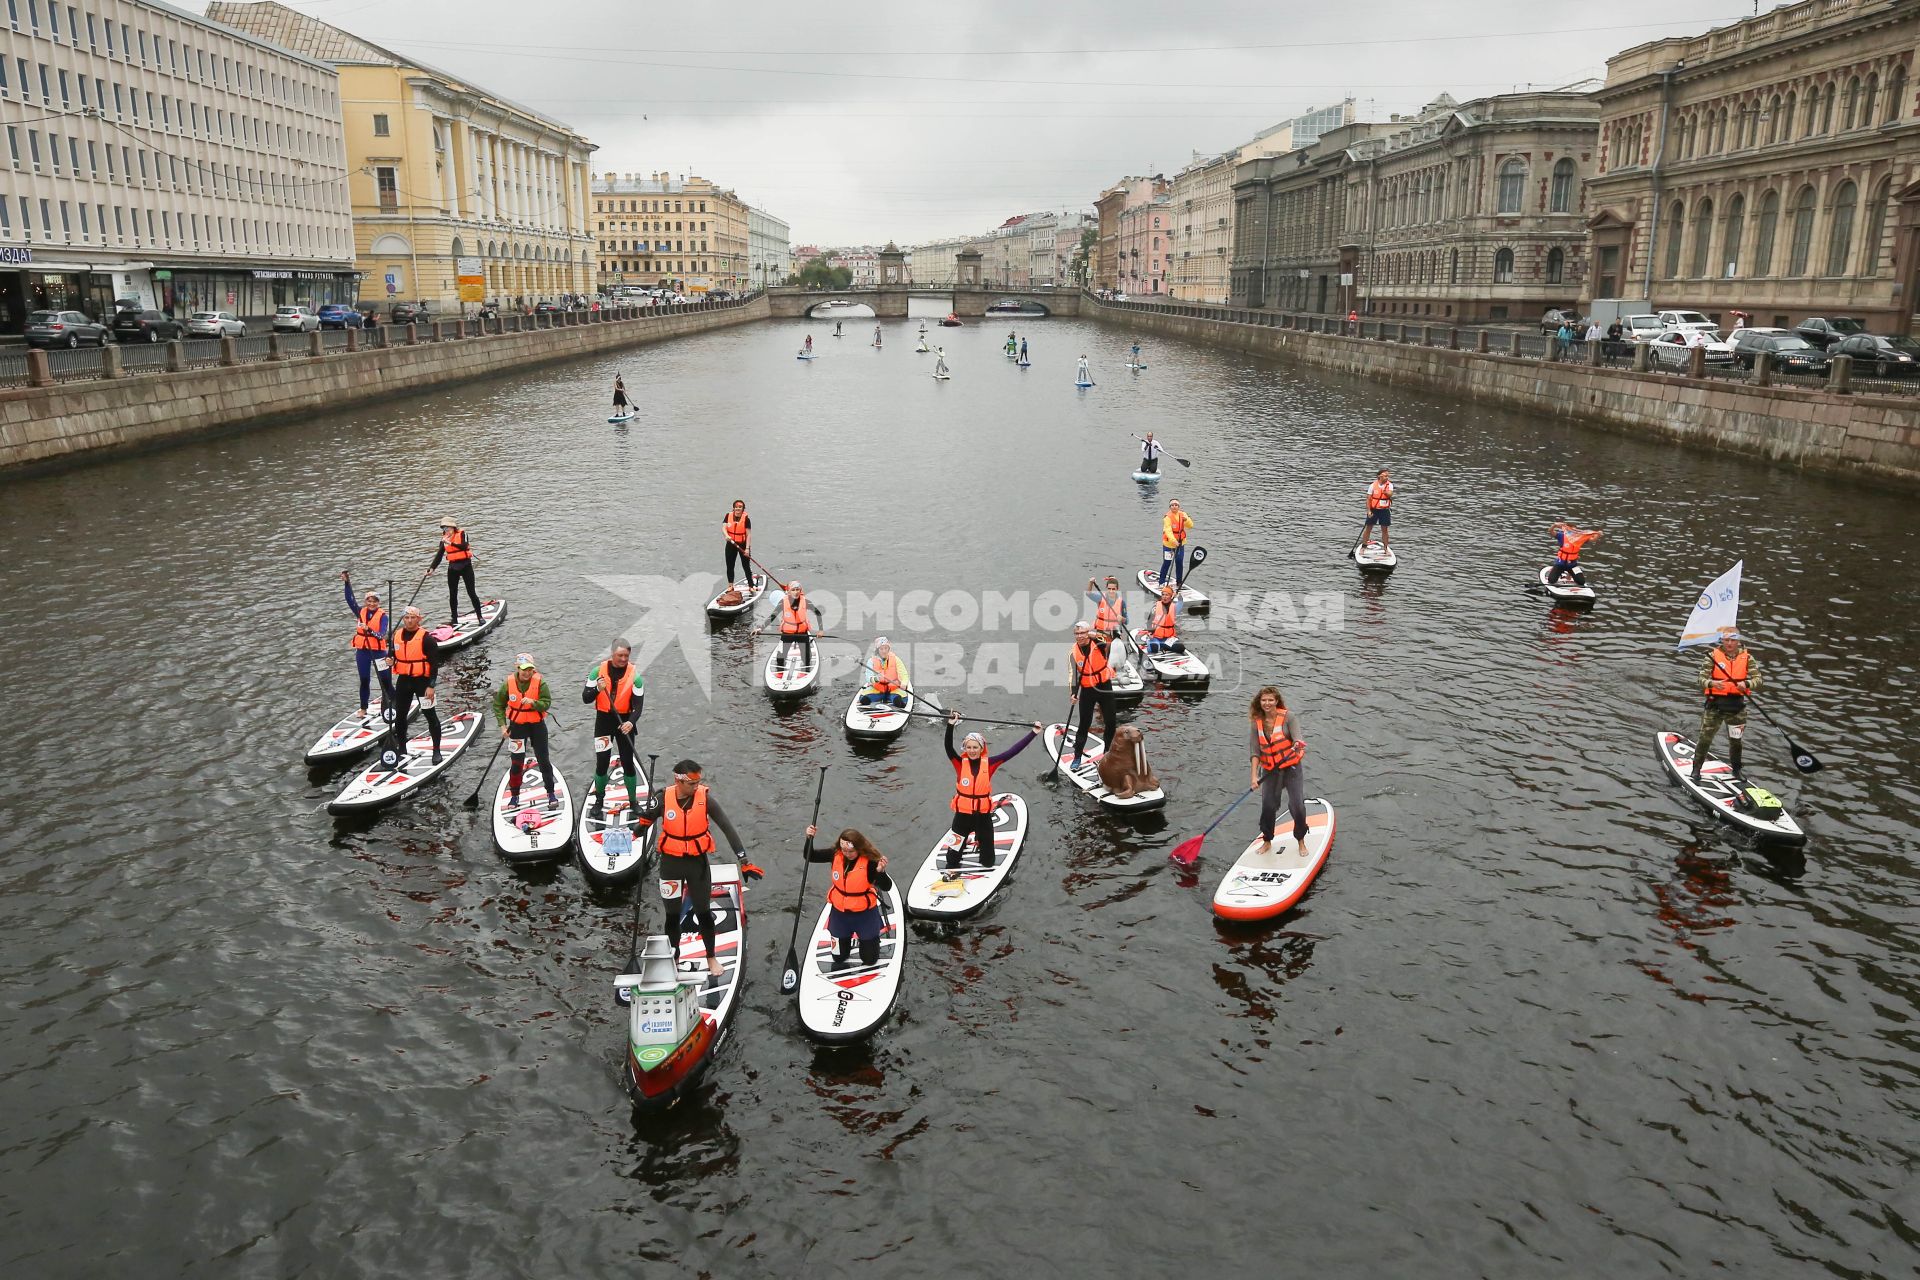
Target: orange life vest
1571,545
736,527
973,792
1163,620
373,621
1380,495
1280,749
1173,529
620,699
410,653
454,543
1091,662
684,832
886,675
1106,616
793,619
1727,675
852,888
520,708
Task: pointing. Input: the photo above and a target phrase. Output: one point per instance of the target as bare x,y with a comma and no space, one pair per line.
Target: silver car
215,324
295,319
1672,347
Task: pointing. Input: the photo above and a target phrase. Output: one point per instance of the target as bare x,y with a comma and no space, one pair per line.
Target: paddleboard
1082,385
1172,667
526,830
1721,792
597,863
1128,684
943,377
657,1076
1260,886
879,721
794,680
1564,592
1025,364
1086,772
1374,558
385,780
492,613
1191,600
850,1003
1136,367
803,356
621,417
939,894
923,349
348,738
749,598
1146,477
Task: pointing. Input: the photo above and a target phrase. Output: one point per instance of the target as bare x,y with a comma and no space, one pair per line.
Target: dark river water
1537,1017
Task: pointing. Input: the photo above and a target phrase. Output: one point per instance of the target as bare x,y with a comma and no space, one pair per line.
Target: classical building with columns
443,170
1767,167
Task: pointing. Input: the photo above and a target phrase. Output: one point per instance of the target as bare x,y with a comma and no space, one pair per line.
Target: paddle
790,976
1803,760
1073,687
1182,461
1187,852
639,895
416,588
473,801
943,713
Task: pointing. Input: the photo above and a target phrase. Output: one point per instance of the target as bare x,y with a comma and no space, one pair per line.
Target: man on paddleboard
369,643
1150,452
1092,686
1726,678
520,705
1276,750
1568,541
416,665
458,553
859,878
1379,509
686,811
617,695
1175,528
972,802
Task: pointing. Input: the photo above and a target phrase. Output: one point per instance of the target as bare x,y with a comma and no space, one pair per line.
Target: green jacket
1708,673
540,704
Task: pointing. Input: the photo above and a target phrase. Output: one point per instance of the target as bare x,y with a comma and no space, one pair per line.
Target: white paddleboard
596,863
1082,385
942,377
492,612
849,1003
1191,599
939,894
880,720
1085,772
792,680
351,736
1721,792
1146,477
1565,591
1136,367
1260,886
1374,558
803,356
385,781
621,417
750,597
526,830
659,1075
1128,684
1172,667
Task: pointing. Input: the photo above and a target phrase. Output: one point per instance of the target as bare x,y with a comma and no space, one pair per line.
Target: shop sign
472,278
266,275
9,253
163,275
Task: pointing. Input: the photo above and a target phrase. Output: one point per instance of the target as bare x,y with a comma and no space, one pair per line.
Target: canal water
1536,1014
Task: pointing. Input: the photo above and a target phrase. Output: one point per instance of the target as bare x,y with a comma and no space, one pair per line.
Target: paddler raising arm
972,802
859,878
1568,540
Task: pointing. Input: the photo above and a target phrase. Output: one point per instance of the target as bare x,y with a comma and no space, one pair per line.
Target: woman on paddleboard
940,362
1568,541
1276,749
619,395
738,526
886,677
685,812
457,551
1163,624
796,616
416,665
520,705
617,695
1109,606
859,878
369,643
1175,528
972,802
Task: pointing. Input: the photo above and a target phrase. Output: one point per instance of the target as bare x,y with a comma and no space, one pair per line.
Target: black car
1824,331
410,313
1880,357
64,329
547,308
1791,352
147,326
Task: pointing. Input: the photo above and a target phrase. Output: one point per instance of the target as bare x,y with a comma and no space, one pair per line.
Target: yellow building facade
661,231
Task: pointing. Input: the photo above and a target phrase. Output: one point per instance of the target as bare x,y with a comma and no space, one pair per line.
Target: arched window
1736,227
1871,100
1802,232
1675,226
1812,118
1840,228
1561,200
1773,119
1513,186
1783,121
1826,109
1453,268
1876,228
1556,265
1896,90
459,247
1850,103
1503,267
1702,236
1723,141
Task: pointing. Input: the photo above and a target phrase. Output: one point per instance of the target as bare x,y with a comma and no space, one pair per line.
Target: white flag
1716,611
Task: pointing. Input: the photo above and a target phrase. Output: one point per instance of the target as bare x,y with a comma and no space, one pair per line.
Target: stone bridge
890,301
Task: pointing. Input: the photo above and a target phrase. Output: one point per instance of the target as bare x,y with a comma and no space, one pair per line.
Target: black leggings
1294,781
869,949
460,571
1561,567
534,735
1100,695
405,690
980,827
736,554
696,888
606,724
804,640
1150,464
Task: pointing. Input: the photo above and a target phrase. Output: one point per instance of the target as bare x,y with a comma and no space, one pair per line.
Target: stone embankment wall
1862,435
70,422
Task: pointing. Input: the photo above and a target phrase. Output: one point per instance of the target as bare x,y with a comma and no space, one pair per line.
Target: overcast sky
863,122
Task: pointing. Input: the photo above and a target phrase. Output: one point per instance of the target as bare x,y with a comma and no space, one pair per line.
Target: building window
1562,198
1783,120
1513,186
1676,217
1556,266
1702,236
1802,232
1896,90
386,178
381,128
1812,119
1867,104
1840,228
1850,103
1876,228
1736,227
1503,262
1763,244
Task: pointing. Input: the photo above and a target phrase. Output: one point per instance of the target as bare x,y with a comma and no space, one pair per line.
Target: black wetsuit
977,825
408,688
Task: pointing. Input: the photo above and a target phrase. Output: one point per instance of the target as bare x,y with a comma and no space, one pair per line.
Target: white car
1686,321
216,324
1641,328
295,320
1671,347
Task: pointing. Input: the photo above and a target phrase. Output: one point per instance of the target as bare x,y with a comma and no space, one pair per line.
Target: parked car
547,308
295,319
1824,331
1883,357
1791,352
1670,348
64,329
146,326
338,315
1555,317
215,324
1686,321
410,313
1641,328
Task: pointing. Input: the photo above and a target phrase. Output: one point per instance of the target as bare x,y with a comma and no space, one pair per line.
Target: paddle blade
1187,852
1804,760
790,976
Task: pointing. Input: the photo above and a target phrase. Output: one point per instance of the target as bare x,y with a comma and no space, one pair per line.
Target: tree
818,275
1082,263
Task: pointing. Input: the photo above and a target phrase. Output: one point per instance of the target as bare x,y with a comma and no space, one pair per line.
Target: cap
449,522
524,661
973,737
879,642
1078,627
